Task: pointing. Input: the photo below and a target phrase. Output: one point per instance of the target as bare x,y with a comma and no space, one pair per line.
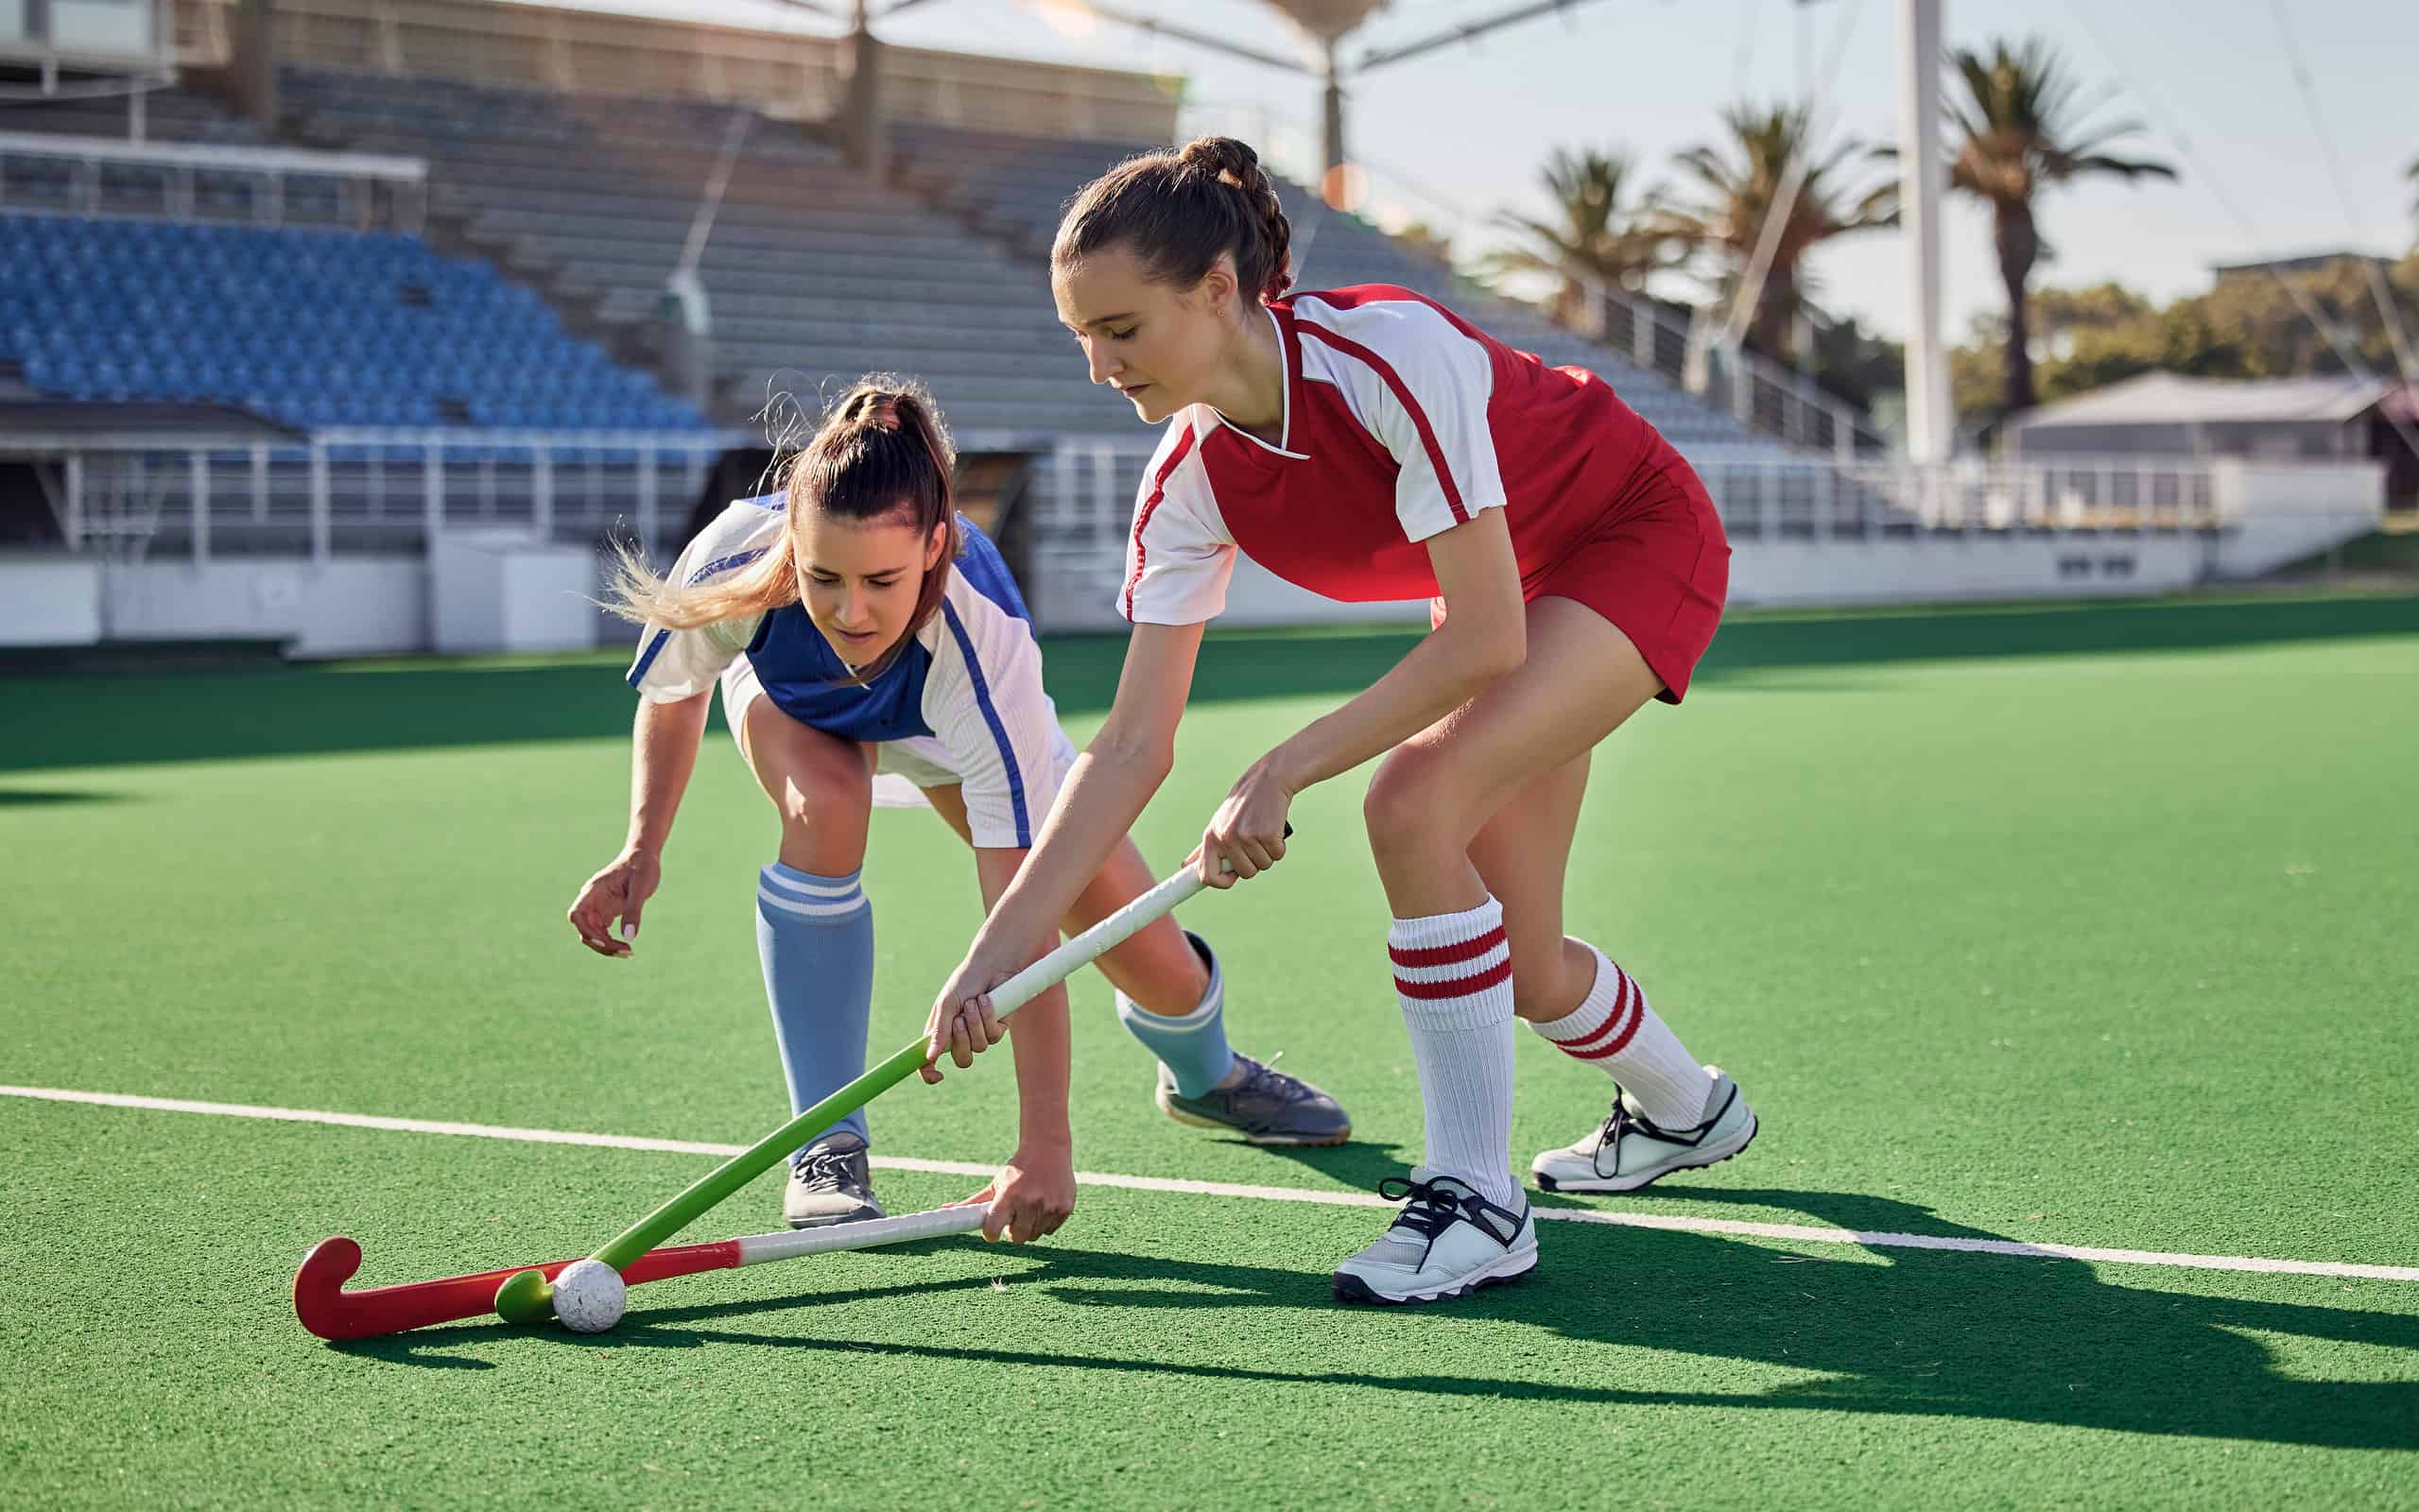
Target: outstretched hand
1032,1196
619,891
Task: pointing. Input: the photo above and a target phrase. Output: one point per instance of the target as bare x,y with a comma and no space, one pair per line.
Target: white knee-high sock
1453,976
1613,1030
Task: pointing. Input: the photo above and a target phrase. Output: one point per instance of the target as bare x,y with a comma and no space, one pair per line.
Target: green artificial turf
2084,924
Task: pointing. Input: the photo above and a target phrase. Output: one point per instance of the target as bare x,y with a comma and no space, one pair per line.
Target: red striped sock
1614,1030
1453,977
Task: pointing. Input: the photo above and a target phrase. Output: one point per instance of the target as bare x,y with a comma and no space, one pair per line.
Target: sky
1461,132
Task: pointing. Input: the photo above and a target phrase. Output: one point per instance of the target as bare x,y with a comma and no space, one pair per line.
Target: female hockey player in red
1367,443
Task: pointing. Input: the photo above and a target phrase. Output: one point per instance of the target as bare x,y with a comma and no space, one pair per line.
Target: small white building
2270,420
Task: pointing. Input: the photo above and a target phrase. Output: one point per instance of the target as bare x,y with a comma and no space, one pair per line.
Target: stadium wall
790,74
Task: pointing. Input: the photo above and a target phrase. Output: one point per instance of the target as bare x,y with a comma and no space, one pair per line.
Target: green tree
1738,182
2021,127
1597,233
1855,364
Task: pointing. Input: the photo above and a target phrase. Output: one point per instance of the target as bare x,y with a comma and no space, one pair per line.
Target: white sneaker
1628,1149
1447,1242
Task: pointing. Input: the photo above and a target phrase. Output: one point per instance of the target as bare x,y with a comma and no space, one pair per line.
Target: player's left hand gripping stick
528,1296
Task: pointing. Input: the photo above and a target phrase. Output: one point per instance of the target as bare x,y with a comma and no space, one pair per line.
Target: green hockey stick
527,1296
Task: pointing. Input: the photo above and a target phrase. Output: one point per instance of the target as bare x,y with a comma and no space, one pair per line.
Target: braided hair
1179,211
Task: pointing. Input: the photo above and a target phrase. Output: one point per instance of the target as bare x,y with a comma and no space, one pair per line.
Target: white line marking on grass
1801,1233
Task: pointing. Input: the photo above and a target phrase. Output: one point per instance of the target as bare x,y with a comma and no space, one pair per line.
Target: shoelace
1615,1125
1620,1121
1265,1080
824,1168
1429,1208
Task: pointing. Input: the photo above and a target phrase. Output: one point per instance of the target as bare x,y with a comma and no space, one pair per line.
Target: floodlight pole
1923,187
863,134
1333,95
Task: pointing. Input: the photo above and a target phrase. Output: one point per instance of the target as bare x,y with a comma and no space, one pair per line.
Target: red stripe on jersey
1142,516
1467,949
1456,986
1403,397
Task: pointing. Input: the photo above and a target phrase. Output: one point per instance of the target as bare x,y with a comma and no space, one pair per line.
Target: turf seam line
1802,1233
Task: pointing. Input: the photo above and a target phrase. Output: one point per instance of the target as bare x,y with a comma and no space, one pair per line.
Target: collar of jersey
1289,353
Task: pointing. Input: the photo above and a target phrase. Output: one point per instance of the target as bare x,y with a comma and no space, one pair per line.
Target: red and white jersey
1401,421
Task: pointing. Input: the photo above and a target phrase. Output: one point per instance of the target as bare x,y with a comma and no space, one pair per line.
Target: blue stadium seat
308,326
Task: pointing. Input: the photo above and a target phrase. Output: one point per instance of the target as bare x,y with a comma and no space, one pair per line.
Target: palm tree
1596,236
2020,129
1739,181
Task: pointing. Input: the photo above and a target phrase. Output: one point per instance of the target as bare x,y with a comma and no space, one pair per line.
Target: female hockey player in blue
873,649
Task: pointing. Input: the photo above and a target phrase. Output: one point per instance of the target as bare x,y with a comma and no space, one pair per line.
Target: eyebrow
1104,320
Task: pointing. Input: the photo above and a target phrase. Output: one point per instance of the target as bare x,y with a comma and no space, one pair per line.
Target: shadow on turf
95,719
1900,1333
43,798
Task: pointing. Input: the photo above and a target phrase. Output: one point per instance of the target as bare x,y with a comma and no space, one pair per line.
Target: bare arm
1109,786
1041,1032
1485,635
1034,1192
1107,790
664,745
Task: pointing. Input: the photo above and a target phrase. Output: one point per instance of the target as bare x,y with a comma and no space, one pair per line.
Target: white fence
359,491
1814,531
339,546
262,186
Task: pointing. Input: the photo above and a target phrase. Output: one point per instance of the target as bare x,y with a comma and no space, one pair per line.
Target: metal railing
361,190
1086,495
369,491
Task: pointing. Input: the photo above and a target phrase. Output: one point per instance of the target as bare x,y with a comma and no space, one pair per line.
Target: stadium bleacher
310,328
815,273
573,210
1014,189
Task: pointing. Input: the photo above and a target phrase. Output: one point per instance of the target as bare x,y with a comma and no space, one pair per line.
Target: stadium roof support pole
864,134
256,72
1334,98
1923,187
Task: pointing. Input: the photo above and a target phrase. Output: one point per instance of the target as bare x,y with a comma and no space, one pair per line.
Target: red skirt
1657,570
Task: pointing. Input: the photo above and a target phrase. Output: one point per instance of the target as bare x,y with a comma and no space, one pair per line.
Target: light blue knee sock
816,937
1194,1046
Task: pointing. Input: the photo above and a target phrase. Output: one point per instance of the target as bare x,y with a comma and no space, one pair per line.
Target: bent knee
1416,800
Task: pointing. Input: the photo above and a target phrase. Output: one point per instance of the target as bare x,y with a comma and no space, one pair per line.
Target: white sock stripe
1488,1009
809,891
1197,1022
773,900
1455,969
1628,1002
1431,930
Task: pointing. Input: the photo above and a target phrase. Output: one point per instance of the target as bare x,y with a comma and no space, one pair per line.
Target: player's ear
938,546
1218,286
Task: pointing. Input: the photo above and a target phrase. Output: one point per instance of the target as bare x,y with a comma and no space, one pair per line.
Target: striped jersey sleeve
675,664
983,699
1421,385
1179,553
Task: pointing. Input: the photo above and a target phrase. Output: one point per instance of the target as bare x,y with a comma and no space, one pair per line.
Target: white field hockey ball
589,1296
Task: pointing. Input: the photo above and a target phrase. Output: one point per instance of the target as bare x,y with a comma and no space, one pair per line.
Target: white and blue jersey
962,705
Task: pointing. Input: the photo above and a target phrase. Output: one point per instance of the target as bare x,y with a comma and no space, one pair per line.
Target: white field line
1801,1233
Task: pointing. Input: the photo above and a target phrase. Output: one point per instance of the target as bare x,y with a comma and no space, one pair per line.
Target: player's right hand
618,892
